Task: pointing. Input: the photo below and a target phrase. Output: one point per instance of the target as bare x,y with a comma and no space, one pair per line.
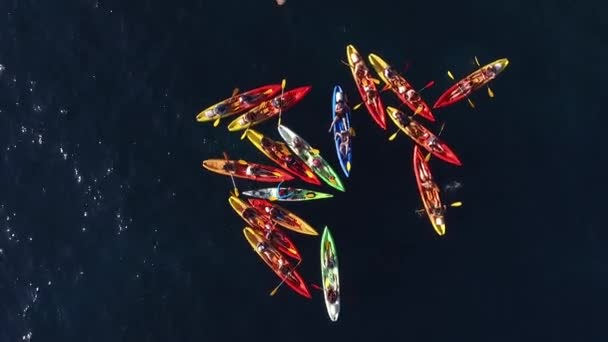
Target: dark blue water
111,230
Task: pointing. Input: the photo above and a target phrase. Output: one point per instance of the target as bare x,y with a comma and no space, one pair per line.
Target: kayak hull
263,224
270,174
235,104
330,275
399,86
341,126
430,196
283,217
266,110
295,194
324,170
278,152
469,84
422,136
271,258
376,106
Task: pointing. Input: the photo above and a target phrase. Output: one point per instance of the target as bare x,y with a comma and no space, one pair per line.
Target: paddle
217,121
283,83
490,92
451,205
274,291
236,191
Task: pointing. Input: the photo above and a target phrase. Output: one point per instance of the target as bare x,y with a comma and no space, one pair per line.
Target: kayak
265,226
277,262
279,153
282,216
340,127
239,103
268,109
422,136
311,157
429,192
330,275
247,170
374,106
475,80
287,194
399,86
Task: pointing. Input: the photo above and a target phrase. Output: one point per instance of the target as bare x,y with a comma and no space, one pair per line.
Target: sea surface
110,229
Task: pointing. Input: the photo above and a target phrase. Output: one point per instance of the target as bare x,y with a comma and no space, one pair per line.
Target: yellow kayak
238,103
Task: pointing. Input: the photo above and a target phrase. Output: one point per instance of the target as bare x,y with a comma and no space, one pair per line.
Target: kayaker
249,117
254,170
332,295
344,142
273,212
298,145
217,110
434,145
278,102
389,73
315,161
248,99
412,96
249,214
229,166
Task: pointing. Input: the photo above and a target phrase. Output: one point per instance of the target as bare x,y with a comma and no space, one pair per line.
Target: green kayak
329,275
311,157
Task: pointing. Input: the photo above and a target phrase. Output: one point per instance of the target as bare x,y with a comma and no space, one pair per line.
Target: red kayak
247,170
366,86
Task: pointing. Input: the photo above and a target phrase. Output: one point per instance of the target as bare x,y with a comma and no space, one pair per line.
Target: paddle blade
418,110
283,83
393,136
427,158
316,287
441,129
348,166
358,106
236,192
314,151
477,61
456,204
234,92
216,122
352,132
385,88
244,134
490,92
471,103
375,80
450,74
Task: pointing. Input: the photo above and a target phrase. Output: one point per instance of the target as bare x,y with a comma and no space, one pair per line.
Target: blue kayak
342,126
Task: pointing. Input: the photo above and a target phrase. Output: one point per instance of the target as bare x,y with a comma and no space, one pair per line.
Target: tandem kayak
475,80
400,87
342,127
247,170
265,226
287,194
422,136
238,103
268,109
276,261
279,153
282,216
311,157
366,87
429,192
330,275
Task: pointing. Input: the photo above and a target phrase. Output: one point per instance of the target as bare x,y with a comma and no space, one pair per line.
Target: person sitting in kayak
434,144
344,137
248,99
278,102
389,73
249,117
315,161
256,171
219,109
273,213
298,145
229,166
341,109
332,295
412,96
